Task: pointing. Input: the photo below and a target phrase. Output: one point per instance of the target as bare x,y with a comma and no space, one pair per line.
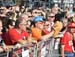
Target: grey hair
23,15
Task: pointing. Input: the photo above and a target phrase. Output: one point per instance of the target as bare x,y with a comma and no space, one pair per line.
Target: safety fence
41,49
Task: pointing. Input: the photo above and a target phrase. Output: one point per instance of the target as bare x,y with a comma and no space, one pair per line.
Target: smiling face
36,13
65,22
22,25
54,10
51,17
71,27
72,30
46,25
39,25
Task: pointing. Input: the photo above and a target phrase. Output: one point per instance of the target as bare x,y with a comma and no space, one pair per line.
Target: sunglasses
51,16
36,12
30,16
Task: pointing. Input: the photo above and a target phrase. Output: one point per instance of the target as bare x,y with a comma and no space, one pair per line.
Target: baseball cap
38,19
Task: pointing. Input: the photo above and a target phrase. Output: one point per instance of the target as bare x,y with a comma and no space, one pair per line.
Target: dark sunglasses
51,16
36,12
30,16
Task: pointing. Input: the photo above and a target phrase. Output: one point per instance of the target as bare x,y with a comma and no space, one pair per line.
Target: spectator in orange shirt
37,29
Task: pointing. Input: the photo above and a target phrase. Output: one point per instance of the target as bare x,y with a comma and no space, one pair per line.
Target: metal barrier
26,51
41,49
3,54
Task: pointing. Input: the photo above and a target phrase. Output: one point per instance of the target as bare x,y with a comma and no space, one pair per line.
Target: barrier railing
41,49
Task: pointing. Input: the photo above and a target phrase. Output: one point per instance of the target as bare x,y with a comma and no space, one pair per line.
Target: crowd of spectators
20,26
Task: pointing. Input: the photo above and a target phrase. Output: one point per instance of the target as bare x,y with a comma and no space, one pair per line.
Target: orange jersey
36,33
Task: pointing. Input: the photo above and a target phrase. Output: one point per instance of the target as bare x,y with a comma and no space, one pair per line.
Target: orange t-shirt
36,33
